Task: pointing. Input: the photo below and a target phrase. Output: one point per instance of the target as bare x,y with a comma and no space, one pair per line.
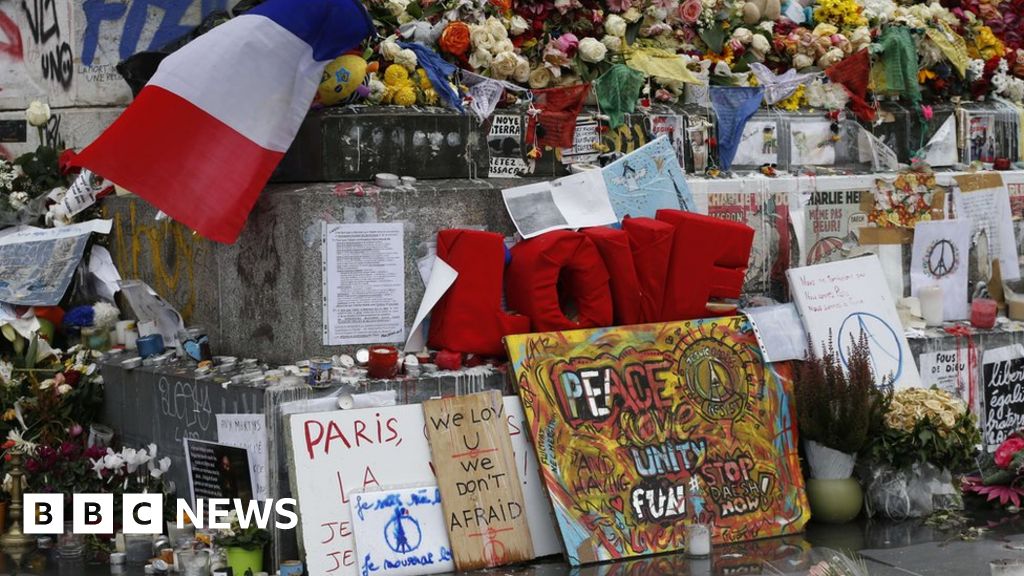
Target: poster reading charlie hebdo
642,430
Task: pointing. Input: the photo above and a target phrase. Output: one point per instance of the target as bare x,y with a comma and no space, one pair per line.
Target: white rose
377,91
632,15
801,61
518,25
540,78
37,113
63,389
612,43
406,58
522,71
768,26
592,50
614,25
504,65
496,28
18,200
389,49
743,35
481,38
656,14
505,45
480,59
397,7
760,44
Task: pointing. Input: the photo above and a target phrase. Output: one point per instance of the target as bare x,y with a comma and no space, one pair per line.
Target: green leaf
714,37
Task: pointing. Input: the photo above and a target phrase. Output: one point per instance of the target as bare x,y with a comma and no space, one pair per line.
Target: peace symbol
941,259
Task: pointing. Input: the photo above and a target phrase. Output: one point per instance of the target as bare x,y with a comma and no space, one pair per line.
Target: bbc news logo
144,513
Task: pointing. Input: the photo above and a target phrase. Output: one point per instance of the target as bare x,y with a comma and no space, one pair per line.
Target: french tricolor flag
203,136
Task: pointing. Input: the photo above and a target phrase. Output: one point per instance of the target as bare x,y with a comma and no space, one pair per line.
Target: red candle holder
383,362
983,313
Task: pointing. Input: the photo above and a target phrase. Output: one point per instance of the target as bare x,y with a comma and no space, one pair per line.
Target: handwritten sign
483,500
641,430
248,431
1003,378
846,299
401,532
335,454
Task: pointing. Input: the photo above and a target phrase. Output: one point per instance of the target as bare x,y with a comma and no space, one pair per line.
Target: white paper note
939,258
941,149
583,199
988,208
363,283
442,276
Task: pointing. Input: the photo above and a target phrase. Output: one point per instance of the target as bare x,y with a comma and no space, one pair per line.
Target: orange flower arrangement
455,38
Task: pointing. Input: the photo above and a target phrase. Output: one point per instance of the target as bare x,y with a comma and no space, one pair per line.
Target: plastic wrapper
916,492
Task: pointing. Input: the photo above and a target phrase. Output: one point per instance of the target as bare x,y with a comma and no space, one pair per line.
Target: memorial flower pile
554,43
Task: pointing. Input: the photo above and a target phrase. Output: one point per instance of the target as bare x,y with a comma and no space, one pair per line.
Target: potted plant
834,410
243,546
926,435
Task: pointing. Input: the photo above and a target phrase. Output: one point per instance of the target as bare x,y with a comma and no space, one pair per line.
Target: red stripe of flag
193,167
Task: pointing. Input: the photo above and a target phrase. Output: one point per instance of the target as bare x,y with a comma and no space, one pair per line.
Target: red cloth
709,260
559,108
532,283
651,244
469,318
852,73
615,250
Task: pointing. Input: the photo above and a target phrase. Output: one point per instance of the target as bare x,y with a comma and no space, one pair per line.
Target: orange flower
455,39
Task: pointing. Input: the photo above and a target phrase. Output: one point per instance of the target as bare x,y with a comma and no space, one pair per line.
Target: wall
64,52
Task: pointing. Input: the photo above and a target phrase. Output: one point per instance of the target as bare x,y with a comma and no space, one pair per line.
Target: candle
983,313
698,540
383,362
931,304
448,360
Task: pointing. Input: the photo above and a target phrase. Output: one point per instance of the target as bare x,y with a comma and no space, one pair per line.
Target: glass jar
138,548
70,544
193,562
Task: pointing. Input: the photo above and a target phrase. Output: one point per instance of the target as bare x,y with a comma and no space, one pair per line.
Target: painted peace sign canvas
643,430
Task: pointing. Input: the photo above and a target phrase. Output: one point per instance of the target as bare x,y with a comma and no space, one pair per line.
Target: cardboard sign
1003,397
333,455
642,429
476,471
218,471
401,532
842,300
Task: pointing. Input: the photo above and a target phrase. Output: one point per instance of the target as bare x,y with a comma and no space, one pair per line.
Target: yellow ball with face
341,77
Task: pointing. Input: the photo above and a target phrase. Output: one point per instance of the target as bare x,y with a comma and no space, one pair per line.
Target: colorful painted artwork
640,430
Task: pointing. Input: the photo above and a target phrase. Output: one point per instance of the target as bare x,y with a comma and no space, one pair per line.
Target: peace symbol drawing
884,349
941,259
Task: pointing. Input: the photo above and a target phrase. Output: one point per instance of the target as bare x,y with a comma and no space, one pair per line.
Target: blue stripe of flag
330,27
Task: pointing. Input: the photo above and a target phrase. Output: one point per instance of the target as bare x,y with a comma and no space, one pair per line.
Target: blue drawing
641,183
884,346
402,533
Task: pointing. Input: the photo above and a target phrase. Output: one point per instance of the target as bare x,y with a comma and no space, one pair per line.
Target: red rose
1007,450
690,10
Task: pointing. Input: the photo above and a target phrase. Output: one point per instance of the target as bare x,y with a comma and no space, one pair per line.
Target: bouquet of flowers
250,538
1002,473
926,434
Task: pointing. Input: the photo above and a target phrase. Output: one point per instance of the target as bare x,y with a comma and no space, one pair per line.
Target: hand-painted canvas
641,430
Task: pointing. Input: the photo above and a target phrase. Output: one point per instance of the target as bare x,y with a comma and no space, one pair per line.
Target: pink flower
620,5
1007,450
75,430
567,43
690,10
927,112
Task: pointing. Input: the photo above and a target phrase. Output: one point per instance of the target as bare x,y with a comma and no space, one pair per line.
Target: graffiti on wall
642,430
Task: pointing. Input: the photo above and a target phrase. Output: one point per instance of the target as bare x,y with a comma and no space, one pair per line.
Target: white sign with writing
945,370
336,454
850,298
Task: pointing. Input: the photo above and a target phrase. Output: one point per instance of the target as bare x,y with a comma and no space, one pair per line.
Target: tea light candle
931,304
698,540
983,313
